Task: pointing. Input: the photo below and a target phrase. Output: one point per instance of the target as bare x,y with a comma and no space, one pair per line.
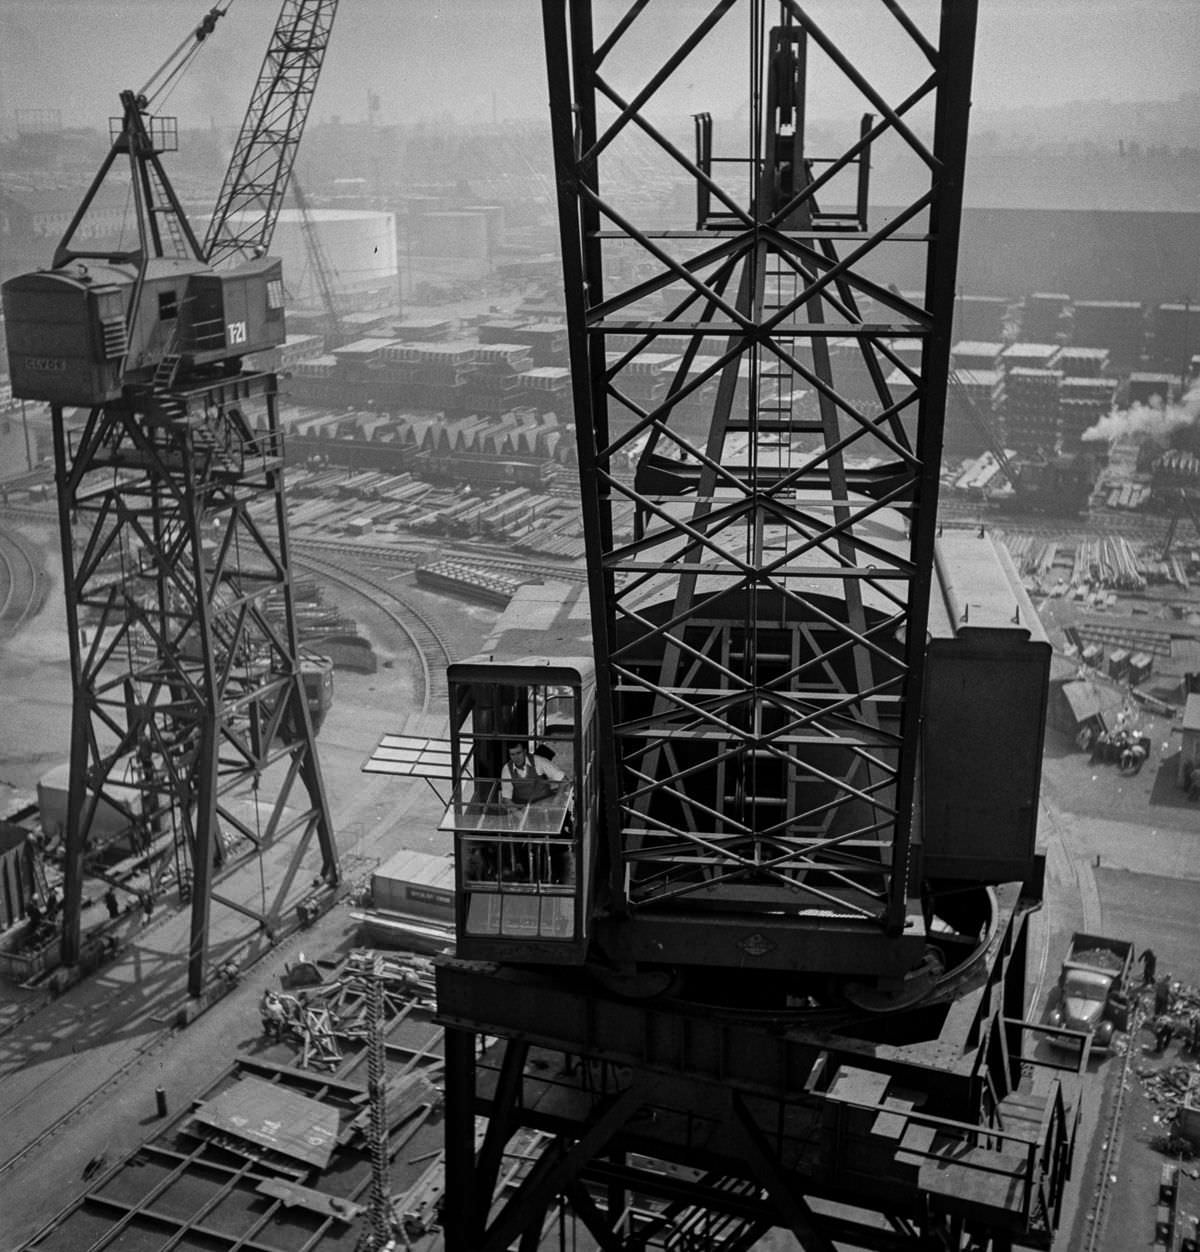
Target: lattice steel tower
798,997
191,738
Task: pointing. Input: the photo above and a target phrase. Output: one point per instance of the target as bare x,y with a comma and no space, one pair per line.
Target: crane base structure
191,712
672,1124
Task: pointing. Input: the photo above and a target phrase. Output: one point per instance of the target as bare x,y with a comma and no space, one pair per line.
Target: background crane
777,978
256,179
190,716
1185,503
962,400
335,335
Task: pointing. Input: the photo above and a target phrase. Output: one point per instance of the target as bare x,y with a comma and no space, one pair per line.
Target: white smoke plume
1156,419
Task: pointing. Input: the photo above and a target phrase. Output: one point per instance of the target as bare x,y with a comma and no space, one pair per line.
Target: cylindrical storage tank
359,246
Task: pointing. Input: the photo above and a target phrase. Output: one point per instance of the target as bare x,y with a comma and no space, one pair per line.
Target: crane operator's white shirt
534,767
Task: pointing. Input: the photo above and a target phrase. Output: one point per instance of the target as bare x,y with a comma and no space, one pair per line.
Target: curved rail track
484,558
432,650
20,583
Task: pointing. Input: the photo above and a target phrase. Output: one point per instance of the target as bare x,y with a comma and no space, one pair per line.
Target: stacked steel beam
1083,362
981,317
982,393
1152,388
1082,402
1031,408
1044,316
976,354
1176,336
1118,325
1108,561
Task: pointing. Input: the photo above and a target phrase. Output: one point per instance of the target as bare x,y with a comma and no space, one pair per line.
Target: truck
410,903
1092,993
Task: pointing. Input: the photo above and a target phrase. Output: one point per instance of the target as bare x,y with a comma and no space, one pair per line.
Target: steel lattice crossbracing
189,687
184,647
257,178
760,416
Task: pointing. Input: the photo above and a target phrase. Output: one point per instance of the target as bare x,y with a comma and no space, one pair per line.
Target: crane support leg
803,1121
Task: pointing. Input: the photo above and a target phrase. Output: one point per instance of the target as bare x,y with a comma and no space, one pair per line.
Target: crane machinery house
78,334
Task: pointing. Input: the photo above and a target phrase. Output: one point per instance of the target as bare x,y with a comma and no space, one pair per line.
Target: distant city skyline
479,60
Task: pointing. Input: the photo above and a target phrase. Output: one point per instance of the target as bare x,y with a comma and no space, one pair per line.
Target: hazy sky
479,58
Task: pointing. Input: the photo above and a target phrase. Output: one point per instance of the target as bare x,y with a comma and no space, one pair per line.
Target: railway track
409,557
1147,527
20,583
433,652
1110,1148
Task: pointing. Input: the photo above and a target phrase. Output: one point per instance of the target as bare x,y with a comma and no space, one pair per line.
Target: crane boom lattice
257,177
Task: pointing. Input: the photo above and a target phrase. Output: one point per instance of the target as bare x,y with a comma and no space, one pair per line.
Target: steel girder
190,716
163,228
759,414
655,1123
257,177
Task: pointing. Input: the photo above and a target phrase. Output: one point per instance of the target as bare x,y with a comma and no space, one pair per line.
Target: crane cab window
168,305
520,775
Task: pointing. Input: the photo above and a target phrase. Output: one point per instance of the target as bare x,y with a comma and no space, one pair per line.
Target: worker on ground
147,902
111,904
36,915
1162,996
1133,757
1164,1028
273,1016
1193,1037
52,905
1149,966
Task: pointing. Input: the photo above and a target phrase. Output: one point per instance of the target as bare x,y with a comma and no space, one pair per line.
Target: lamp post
25,428
1186,361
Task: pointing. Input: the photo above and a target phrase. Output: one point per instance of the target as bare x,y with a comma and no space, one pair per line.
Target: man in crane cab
527,778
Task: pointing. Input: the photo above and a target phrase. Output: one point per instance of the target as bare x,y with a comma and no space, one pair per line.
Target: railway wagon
483,471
